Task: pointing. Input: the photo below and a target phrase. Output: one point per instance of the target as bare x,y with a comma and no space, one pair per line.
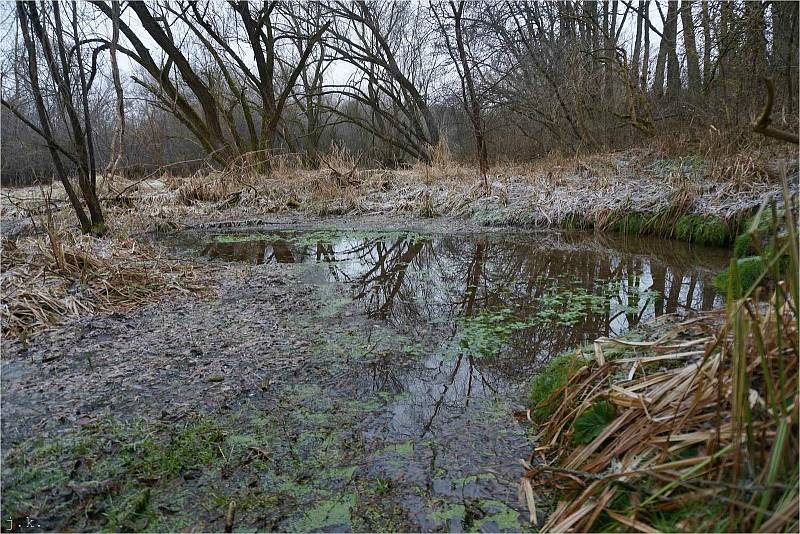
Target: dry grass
64,274
549,192
701,431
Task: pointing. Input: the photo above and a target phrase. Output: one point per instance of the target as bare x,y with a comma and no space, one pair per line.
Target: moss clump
554,375
749,269
703,230
754,231
743,246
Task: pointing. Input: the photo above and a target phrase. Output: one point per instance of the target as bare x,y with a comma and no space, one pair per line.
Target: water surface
439,336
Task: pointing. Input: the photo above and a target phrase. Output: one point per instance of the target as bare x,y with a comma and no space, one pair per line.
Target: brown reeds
699,429
63,274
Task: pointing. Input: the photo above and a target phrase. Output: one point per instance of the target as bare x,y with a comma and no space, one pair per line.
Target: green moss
749,269
505,518
554,375
448,512
754,231
703,230
593,421
743,246
122,470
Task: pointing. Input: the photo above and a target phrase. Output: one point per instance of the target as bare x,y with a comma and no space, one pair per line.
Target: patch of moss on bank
549,380
703,230
700,229
749,270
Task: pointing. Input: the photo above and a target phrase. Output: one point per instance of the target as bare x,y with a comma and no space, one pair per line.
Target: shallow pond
437,338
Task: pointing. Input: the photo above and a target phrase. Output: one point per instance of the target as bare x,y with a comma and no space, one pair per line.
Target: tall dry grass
60,274
695,431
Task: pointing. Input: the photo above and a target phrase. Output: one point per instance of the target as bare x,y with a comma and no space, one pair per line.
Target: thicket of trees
126,86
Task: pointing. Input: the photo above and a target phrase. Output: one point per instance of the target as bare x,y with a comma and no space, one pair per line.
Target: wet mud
334,380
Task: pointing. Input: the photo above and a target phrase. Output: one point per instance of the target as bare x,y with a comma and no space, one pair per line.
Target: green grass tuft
630,224
593,421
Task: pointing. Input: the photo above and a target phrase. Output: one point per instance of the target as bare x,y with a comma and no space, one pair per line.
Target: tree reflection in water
431,284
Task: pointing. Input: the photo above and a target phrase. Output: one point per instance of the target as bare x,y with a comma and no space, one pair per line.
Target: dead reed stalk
694,431
48,278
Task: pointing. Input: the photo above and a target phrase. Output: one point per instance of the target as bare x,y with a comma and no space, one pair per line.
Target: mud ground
269,393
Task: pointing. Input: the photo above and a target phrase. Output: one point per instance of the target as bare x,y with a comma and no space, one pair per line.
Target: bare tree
370,36
60,69
457,49
117,139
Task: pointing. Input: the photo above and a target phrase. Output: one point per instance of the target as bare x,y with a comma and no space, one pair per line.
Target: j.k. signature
20,523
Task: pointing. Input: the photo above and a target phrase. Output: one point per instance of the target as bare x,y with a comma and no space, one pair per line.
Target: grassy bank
693,428
642,192
712,230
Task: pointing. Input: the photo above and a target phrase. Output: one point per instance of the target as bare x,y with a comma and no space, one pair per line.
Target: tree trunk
117,147
707,44
204,97
90,194
784,62
661,63
473,104
692,59
44,117
637,47
646,55
671,39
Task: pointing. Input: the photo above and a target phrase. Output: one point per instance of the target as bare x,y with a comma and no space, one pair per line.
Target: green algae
328,513
449,511
505,518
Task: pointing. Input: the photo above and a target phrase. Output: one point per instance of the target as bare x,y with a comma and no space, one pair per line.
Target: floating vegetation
568,306
485,333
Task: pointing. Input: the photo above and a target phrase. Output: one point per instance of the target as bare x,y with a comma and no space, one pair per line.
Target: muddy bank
333,378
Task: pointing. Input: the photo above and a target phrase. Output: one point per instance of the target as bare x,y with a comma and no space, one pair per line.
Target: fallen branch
761,124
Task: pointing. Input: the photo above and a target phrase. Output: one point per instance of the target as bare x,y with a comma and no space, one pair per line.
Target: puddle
437,337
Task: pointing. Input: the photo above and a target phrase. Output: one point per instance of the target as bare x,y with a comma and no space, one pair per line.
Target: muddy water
436,338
